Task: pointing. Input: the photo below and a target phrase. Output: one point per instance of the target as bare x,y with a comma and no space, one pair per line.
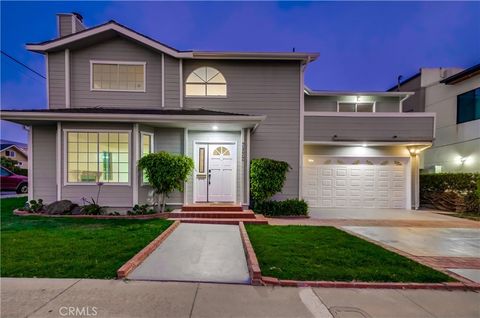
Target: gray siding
56,79
172,82
320,104
319,128
64,25
165,139
262,88
111,195
44,163
115,50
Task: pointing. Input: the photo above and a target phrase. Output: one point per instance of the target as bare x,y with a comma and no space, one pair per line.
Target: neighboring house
16,151
115,95
454,95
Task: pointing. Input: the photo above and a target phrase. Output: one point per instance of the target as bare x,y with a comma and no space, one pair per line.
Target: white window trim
205,96
142,133
11,153
374,104
118,63
65,159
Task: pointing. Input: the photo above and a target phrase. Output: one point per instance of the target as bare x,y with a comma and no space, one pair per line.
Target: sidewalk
30,297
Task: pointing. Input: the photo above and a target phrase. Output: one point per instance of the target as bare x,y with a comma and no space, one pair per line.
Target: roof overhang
224,122
112,27
17,148
462,76
357,93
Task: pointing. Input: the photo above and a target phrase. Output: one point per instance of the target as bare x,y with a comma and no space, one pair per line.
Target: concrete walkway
198,253
30,297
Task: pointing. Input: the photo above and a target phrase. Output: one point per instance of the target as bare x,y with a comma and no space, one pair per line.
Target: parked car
13,182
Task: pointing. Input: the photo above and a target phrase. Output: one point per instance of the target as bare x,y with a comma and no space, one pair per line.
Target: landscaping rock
60,207
76,210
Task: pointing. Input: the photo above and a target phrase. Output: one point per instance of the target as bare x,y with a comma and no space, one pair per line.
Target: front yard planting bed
69,247
311,253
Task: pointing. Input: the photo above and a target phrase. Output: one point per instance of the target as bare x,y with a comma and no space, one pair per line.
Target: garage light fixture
364,145
215,127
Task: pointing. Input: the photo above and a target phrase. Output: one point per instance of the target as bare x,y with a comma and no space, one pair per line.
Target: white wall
452,140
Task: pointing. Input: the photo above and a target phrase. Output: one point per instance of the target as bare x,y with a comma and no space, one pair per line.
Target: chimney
69,23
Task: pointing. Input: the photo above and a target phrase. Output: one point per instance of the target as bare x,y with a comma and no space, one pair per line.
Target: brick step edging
257,278
136,260
100,217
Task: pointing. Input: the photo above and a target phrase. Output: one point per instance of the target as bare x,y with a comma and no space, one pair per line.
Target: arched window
205,81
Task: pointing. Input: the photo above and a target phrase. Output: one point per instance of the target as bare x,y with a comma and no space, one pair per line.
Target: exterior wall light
215,127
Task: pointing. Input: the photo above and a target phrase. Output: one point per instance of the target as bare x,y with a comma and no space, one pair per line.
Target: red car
13,182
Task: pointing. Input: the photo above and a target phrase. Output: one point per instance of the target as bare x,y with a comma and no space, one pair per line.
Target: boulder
60,207
76,210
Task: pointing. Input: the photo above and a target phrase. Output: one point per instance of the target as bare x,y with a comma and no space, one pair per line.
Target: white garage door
355,182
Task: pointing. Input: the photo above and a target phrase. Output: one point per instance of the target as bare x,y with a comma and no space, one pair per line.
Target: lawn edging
164,215
252,262
257,278
136,260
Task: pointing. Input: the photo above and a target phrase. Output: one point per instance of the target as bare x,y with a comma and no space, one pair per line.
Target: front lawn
329,254
67,247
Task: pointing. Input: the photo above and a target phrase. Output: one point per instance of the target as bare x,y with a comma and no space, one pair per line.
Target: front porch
66,145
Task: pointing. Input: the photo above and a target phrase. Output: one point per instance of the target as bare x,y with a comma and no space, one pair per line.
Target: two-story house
453,94
115,95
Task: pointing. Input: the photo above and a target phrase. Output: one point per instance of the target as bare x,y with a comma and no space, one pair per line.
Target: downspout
401,103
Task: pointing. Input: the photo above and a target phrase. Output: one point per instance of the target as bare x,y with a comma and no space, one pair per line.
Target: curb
86,216
252,262
136,260
257,278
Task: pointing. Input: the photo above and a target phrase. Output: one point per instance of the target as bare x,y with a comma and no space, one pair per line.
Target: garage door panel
374,183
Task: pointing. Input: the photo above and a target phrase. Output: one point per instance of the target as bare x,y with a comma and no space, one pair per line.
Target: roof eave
356,93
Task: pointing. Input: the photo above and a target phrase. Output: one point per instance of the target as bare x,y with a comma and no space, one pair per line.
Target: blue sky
362,45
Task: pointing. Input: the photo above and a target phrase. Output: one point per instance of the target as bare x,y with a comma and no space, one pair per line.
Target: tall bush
267,177
451,191
11,165
166,173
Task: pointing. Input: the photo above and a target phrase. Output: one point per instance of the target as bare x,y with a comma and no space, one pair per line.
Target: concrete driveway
441,241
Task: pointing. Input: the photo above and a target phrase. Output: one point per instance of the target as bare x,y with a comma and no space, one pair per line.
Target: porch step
224,221
247,214
211,207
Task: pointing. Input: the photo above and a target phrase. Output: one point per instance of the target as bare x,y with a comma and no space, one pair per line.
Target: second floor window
205,81
10,153
356,107
468,106
118,76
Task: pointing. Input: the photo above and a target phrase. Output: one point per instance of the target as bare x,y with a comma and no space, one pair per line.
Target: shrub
166,172
267,177
34,205
141,210
290,207
11,165
451,191
92,207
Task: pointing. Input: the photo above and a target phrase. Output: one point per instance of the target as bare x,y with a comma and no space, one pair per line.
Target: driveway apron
197,252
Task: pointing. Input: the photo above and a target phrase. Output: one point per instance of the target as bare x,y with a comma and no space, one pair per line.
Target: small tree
166,173
267,177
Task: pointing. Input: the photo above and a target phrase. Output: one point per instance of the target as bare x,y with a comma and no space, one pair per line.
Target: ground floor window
98,156
147,148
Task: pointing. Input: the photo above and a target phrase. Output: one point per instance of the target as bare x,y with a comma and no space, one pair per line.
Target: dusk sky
362,45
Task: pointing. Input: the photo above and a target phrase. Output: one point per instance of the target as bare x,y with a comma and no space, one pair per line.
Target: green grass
326,253
67,247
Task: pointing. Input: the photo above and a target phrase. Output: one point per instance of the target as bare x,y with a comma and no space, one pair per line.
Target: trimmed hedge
267,177
458,192
290,207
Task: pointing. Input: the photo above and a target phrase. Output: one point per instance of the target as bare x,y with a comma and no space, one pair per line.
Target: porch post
30,163
185,152
136,153
59,161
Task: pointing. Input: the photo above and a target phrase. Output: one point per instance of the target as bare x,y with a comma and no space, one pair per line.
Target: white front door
215,168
